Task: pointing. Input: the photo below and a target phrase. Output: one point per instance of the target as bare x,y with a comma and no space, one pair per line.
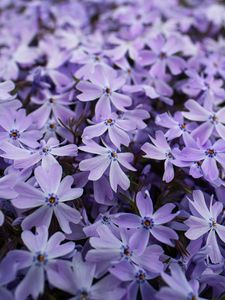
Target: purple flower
207,157
79,282
17,129
107,157
149,222
204,220
104,85
176,125
206,88
112,248
52,104
161,151
124,47
116,127
137,279
179,288
211,120
162,54
42,256
25,158
50,198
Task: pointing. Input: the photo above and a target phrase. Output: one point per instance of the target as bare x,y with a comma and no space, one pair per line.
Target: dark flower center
213,118
46,150
83,295
169,155
114,154
40,259
140,276
147,223
52,125
126,252
109,122
162,55
52,200
107,90
210,152
51,100
105,220
212,223
14,134
183,126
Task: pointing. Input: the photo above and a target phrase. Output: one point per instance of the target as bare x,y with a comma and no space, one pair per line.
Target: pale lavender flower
149,222
136,278
162,55
41,257
16,128
208,157
24,158
79,282
113,248
48,199
161,150
106,158
210,120
204,220
104,85
116,127
179,287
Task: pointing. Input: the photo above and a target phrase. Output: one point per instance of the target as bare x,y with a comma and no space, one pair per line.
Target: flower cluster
112,149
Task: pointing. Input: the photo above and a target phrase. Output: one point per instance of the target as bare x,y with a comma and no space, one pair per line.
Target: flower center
183,126
210,152
140,276
83,295
14,134
169,155
113,155
162,55
105,220
51,100
213,118
126,252
40,259
109,122
108,90
46,150
52,126
212,223
147,223
52,199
